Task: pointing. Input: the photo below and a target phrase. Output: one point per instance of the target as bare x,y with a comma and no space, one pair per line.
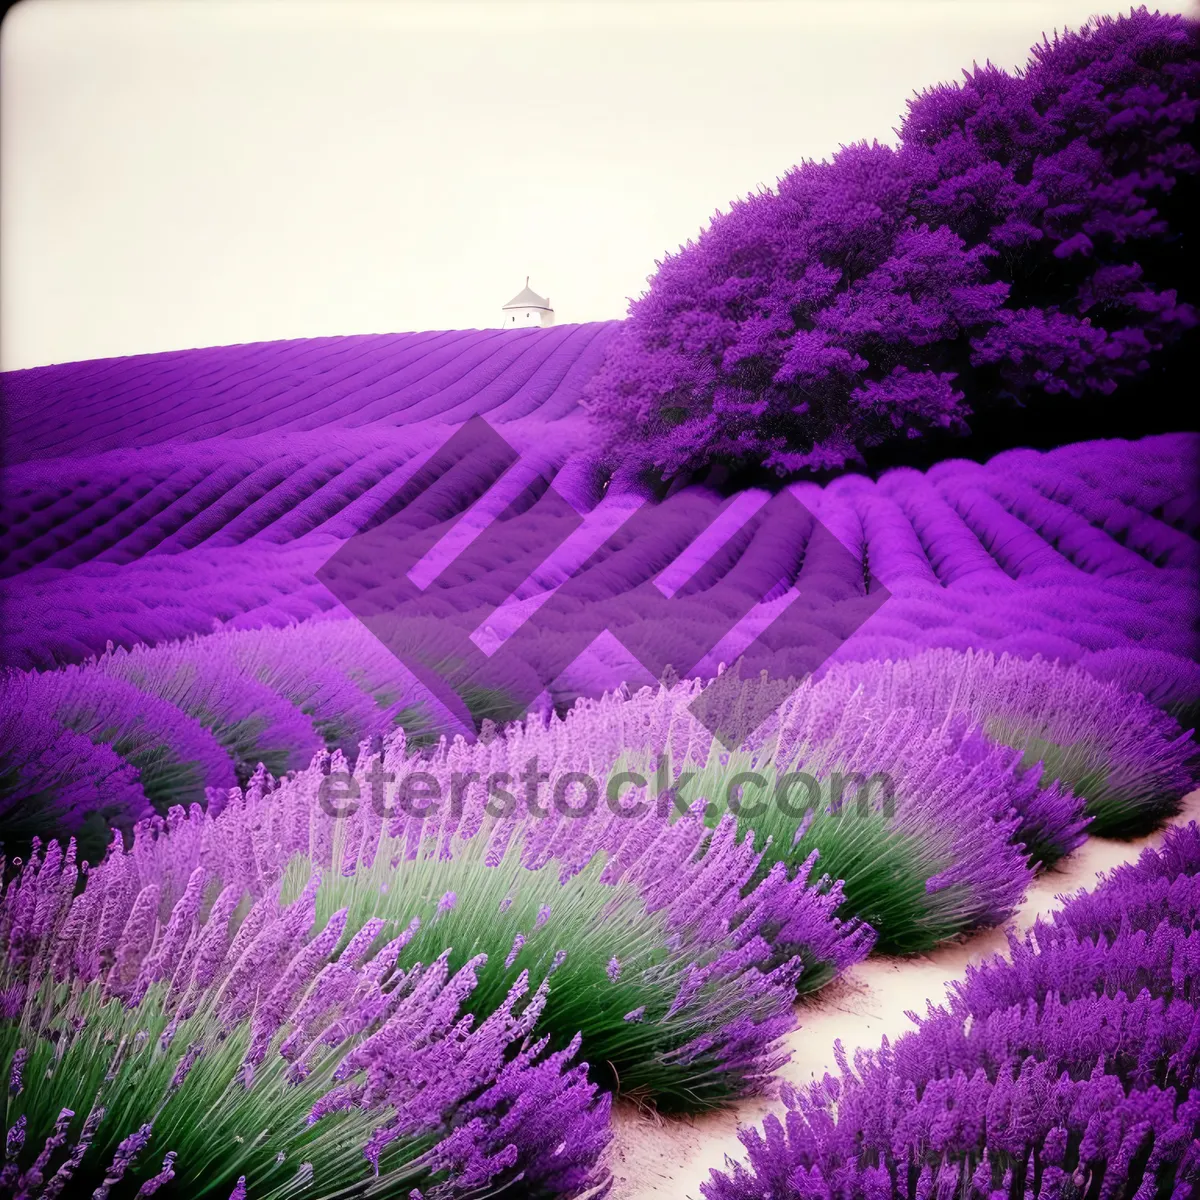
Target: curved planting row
991,557
1125,757
1022,554
932,788
1065,553
1067,1070
386,1003
297,386
110,741
987,768
317,1062
392,966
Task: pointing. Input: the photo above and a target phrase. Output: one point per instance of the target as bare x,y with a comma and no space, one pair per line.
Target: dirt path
654,1159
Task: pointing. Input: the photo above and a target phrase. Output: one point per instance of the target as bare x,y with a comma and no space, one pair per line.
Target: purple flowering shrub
1048,814
251,720
1067,172
1069,1070
702,1018
175,756
141,1027
1019,239
1126,758
52,778
758,340
915,825
671,960
1171,683
170,723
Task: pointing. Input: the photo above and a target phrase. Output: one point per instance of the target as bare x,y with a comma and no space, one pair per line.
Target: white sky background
179,173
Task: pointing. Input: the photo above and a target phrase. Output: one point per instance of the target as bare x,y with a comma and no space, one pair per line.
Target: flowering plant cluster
919,824
1126,758
931,788
152,1035
106,743
1016,240
1084,555
1067,1070
390,1002
674,988
278,922
941,782
989,769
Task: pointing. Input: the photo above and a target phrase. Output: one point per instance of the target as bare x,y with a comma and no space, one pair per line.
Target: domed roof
528,299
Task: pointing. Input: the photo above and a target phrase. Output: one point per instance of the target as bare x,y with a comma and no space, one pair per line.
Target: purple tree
1014,241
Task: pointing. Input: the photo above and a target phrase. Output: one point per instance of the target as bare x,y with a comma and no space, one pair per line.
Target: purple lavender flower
1075,1058
15,1138
160,1180
1126,759
423,1059
122,1160
15,1082
518,943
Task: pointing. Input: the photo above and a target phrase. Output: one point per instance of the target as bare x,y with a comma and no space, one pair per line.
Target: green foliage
884,869
1117,801
94,1053
571,927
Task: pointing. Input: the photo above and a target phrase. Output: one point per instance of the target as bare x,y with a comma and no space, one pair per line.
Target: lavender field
425,754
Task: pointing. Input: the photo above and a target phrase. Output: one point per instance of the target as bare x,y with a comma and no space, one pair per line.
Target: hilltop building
527,308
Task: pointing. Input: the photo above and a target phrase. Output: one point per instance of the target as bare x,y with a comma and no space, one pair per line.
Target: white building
527,308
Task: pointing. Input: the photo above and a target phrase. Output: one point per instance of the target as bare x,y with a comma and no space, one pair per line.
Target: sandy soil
653,1158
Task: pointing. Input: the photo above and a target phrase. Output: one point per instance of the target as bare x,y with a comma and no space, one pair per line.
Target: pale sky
178,173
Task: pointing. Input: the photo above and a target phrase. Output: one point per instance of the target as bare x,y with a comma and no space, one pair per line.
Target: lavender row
666,949
970,557
182,719
931,787
184,1007
339,382
386,995
1067,1070
1127,759
107,742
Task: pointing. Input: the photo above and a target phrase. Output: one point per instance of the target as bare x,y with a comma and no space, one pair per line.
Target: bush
1128,760
131,1041
54,779
176,758
673,971
918,825
908,825
1072,1071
